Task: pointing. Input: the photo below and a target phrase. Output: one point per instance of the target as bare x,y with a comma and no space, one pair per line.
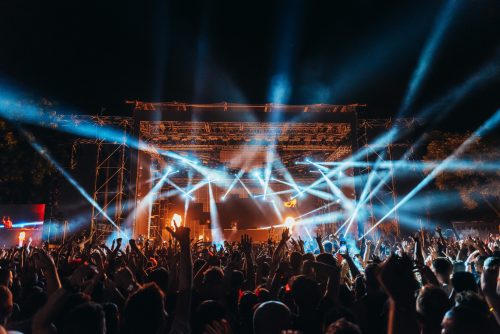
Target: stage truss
212,140
112,172
385,197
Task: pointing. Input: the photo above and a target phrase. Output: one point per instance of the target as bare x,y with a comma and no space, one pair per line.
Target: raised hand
319,236
118,243
301,242
397,279
246,244
285,235
180,233
99,262
415,237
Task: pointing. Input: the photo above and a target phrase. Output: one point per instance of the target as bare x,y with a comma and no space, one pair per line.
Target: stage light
276,210
222,198
176,220
289,222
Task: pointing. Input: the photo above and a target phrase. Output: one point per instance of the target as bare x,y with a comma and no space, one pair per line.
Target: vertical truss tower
112,174
385,197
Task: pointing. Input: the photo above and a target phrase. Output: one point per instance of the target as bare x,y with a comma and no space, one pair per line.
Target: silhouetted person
271,318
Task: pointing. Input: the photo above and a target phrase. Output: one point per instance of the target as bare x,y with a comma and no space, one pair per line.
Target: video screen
21,224
26,216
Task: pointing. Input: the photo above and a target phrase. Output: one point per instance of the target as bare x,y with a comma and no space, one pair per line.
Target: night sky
92,54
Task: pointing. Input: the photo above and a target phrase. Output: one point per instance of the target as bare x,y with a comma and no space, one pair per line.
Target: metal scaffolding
112,174
386,197
215,141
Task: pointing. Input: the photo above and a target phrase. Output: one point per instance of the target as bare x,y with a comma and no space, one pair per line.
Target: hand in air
180,233
246,244
285,235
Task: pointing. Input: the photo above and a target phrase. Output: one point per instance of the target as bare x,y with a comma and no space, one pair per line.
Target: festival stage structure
231,167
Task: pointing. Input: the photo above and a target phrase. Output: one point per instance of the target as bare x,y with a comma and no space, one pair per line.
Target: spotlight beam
275,193
344,201
316,210
428,54
233,183
214,217
294,186
167,180
489,125
381,141
44,153
458,165
197,186
246,189
364,193
318,193
277,211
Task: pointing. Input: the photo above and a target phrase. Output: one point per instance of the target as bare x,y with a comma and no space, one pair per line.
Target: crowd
425,283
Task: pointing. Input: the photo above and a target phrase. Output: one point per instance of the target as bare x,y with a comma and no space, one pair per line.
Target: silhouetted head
306,293
342,326
432,304
160,277
472,300
84,319
443,268
247,304
464,320
145,311
213,283
263,294
326,258
207,312
272,318
464,281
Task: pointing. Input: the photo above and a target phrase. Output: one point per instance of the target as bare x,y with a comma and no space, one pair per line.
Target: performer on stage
7,222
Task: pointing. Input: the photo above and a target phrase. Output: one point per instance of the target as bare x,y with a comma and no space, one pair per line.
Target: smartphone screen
343,249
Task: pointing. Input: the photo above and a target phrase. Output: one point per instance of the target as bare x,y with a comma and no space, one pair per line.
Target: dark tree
25,177
475,184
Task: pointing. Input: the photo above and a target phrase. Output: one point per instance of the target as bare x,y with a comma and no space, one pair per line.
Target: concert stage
225,167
